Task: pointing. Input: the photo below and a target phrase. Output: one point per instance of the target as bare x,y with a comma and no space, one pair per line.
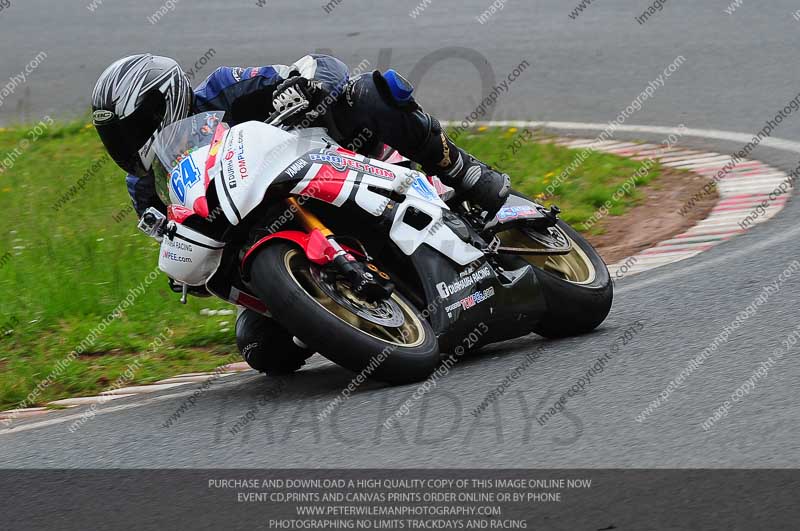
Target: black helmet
134,99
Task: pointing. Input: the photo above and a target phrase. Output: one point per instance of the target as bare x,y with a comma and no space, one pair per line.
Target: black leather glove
298,91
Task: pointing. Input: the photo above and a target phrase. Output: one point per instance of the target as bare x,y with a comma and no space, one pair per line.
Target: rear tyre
578,289
335,322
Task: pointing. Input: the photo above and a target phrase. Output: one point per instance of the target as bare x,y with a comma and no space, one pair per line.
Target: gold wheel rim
410,334
574,267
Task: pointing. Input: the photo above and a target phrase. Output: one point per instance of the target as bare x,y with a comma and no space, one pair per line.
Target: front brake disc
383,313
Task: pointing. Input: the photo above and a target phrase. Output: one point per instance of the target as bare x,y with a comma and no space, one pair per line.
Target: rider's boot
472,180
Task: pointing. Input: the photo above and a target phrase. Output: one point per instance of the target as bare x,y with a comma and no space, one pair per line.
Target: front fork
366,279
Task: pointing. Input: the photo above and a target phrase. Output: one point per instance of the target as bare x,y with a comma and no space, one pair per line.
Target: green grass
68,268
534,166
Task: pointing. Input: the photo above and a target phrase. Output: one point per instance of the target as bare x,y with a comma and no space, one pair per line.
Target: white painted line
86,400
108,409
136,389
742,138
22,413
189,379
789,235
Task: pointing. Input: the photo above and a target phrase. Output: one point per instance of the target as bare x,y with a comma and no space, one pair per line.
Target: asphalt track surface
739,71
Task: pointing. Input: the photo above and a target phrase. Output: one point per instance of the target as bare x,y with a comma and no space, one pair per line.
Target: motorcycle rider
137,96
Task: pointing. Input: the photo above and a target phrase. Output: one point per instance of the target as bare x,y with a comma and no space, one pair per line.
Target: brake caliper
366,279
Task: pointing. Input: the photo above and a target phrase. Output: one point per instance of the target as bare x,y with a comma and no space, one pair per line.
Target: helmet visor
124,138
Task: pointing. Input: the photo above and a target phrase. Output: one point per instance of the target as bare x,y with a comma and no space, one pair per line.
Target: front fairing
185,157
253,157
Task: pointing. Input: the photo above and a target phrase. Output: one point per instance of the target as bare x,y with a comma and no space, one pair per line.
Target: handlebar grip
277,118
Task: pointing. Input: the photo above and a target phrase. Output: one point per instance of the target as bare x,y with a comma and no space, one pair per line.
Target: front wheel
388,340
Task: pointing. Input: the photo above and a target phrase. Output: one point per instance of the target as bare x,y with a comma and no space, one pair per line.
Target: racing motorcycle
359,258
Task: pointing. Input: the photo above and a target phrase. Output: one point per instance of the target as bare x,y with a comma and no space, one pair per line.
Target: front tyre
389,339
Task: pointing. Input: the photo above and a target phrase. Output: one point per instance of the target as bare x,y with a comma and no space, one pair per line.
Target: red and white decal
248,301
211,161
326,183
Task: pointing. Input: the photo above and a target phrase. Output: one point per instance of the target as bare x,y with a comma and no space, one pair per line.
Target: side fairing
410,235
256,155
418,220
338,175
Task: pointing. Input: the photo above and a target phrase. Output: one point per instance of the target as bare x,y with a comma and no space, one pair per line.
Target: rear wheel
576,286
388,338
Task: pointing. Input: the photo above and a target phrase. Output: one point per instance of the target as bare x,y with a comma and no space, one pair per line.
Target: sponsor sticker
175,246
343,163
175,257
421,186
180,246
508,213
240,161
295,168
447,290
471,301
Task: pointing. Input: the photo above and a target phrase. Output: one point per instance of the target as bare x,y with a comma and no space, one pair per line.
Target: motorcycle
359,258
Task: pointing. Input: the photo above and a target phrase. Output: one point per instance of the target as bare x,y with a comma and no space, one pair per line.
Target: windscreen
174,166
